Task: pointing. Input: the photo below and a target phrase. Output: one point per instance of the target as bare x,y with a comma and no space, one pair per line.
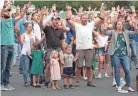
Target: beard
6,16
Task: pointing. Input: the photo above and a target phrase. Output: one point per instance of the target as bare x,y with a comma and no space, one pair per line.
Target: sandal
39,86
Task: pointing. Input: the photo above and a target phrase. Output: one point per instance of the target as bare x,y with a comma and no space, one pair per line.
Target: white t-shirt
102,40
84,36
37,30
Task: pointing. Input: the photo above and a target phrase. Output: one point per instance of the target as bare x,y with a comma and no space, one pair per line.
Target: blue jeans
125,62
19,54
24,60
7,52
134,51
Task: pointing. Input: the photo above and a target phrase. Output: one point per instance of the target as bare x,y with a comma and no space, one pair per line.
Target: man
7,43
54,38
84,45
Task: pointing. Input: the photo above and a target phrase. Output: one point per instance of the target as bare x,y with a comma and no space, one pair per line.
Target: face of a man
7,13
84,19
55,22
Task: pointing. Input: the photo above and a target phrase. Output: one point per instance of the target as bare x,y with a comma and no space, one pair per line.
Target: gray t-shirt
68,60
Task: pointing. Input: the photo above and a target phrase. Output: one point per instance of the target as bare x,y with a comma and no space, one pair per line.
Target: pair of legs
134,51
67,78
102,56
55,84
86,55
25,61
7,53
36,80
125,62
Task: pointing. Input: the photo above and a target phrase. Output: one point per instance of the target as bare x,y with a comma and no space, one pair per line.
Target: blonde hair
68,46
53,53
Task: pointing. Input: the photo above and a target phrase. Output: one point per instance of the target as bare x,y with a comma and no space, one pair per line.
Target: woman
26,40
102,41
119,50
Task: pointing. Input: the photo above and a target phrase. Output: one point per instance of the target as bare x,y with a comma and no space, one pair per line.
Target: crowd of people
53,47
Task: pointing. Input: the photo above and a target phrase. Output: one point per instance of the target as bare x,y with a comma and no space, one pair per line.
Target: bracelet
101,18
4,6
68,19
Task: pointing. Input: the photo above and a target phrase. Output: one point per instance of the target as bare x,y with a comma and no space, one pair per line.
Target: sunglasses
7,10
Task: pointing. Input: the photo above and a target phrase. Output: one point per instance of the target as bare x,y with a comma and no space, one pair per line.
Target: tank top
102,40
27,44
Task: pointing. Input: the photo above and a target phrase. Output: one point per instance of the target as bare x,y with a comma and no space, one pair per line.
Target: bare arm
106,31
68,16
23,12
102,16
22,37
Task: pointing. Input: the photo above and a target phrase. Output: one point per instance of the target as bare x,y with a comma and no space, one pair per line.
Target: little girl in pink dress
54,69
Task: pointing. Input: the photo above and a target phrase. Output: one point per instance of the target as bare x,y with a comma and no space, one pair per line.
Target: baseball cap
55,17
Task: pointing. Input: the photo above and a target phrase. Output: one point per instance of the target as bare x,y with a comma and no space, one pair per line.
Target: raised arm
106,31
43,22
101,17
68,16
23,12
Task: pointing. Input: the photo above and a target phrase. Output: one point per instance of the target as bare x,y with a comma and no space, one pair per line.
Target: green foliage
77,4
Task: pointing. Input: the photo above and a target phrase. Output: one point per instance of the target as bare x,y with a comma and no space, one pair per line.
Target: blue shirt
69,35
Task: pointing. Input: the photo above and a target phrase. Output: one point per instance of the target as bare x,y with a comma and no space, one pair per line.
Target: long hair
53,53
116,25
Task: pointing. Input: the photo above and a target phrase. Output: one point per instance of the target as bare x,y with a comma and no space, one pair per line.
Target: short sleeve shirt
84,36
68,60
53,37
7,32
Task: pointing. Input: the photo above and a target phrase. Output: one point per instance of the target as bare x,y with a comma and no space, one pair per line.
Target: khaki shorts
86,55
50,50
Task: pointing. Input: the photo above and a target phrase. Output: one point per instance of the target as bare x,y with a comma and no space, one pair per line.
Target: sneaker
90,84
120,90
85,78
122,83
114,83
9,87
131,90
99,76
77,84
106,75
3,88
71,86
65,87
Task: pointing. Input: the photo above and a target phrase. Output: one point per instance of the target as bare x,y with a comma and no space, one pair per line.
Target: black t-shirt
53,37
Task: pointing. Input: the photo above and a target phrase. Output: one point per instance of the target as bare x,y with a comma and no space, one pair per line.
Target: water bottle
137,82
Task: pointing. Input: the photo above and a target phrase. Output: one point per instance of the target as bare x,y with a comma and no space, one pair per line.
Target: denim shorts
68,71
100,50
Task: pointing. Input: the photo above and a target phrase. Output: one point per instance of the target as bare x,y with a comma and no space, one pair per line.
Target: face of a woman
119,25
29,27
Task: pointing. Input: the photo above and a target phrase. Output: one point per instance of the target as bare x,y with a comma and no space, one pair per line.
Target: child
55,69
37,64
68,66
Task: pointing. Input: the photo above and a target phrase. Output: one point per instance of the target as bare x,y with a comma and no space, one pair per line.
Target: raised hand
54,7
6,3
44,11
89,8
68,7
133,8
